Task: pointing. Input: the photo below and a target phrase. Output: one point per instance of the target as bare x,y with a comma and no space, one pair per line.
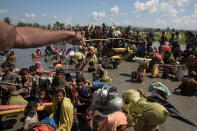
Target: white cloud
150,6
31,15
181,10
114,10
179,2
54,17
97,15
68,20
126,22
137,16
44,15
168,9
111,19
181,22
116,23
160,22
3,11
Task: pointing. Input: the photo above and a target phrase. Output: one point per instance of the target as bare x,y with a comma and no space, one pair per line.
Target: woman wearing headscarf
61,118
117,121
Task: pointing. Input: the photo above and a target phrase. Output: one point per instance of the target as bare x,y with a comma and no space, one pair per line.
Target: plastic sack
130,99
16,100
159,86
151,114
115,57
44,127
50,121
106,78
179,73
155,71
94,59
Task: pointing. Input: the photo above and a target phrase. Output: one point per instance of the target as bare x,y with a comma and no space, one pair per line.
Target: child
137,76
43,96
31,119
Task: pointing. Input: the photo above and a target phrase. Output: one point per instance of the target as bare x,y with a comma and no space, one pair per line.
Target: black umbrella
174,113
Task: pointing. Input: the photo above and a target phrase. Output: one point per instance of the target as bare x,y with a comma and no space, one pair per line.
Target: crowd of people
76,100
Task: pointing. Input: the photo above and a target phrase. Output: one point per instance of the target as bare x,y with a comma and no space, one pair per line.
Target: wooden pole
40,108
7,83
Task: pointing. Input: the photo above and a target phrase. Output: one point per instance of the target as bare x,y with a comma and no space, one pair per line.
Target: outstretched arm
30,37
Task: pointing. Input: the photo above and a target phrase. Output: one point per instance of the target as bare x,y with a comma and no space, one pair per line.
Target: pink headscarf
39,68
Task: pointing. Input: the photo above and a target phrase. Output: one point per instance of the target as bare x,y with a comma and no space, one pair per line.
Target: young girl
31,119
43,96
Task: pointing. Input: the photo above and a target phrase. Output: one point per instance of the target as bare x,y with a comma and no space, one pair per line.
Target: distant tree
158,30
29,24
173,30
36,25
168,29
182,31
58,25
7,20
43,26
21,24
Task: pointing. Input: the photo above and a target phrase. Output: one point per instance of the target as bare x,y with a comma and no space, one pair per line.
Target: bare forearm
29,37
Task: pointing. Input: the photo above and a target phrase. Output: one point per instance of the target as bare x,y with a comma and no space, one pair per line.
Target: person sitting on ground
136,76
189,86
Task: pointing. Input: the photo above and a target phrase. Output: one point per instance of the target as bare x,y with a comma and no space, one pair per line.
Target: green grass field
182,41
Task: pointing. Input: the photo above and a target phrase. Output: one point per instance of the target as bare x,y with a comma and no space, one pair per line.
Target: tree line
59,25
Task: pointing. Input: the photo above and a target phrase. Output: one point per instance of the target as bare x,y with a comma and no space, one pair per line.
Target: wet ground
186,105
121,79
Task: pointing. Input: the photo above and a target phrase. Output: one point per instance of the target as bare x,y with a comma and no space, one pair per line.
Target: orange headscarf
114,120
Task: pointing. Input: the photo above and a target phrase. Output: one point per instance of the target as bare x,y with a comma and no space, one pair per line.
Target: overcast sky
179,14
